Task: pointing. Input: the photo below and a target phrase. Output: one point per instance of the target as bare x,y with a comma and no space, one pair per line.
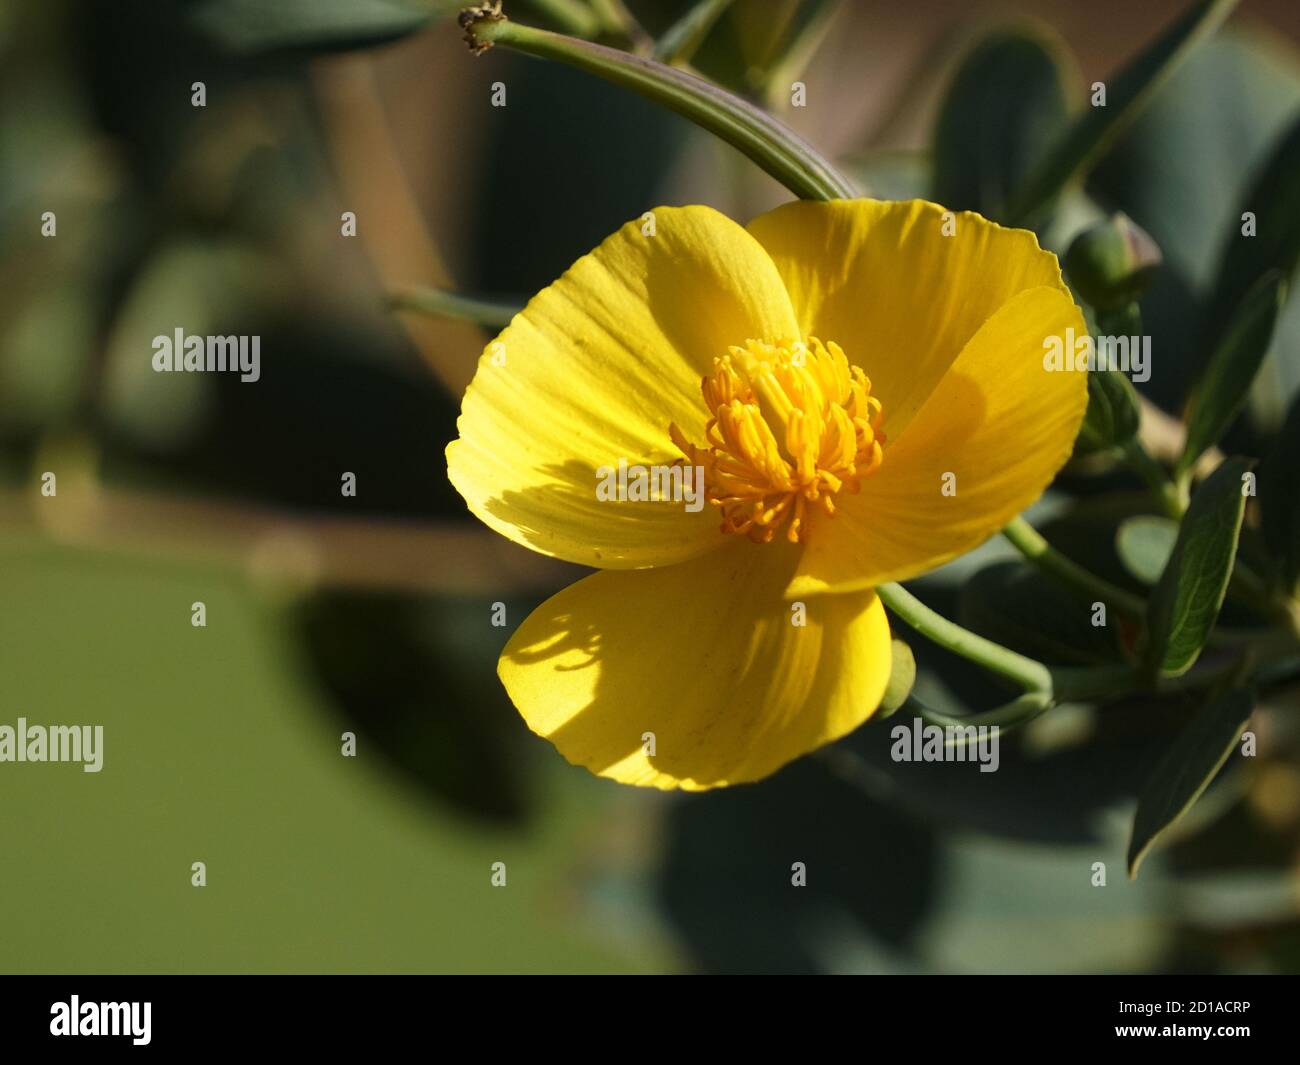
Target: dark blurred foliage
529,230
407,675
871,872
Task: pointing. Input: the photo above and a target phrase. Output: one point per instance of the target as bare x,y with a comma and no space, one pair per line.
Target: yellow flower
863,386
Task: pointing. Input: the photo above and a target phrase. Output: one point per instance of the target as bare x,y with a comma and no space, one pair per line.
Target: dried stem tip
472,18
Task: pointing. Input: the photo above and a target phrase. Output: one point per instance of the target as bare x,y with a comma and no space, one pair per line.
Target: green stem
490,313
1172,499
1031,543
772,145
1028,674
1043,686
1019,711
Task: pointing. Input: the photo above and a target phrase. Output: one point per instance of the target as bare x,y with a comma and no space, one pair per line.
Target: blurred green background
371,614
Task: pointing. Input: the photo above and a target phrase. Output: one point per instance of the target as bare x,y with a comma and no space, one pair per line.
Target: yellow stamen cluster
792,424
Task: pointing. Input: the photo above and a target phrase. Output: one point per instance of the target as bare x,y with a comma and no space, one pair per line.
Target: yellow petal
594,370
705,657
902,299
999,423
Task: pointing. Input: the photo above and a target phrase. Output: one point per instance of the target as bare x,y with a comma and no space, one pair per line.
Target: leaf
406,675
679,42
755,47
1185,602
262,26
1092,133
1186,770
1196,148
1224,387
729,859
1062,793
1003,107
1018,606
902,675
1144,545
564,218
1279,500
1275,245
1181,172
1113,413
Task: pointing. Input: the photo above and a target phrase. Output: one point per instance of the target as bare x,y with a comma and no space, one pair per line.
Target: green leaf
902,675
1275,245
1113,412
405,674
1279,500
1005,104
1225,386
1144,545
1083,144
1185,602
1022,608
678,43
1196,149
1186,769
262,26
1182,171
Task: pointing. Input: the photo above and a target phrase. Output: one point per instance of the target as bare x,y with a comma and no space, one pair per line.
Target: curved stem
772,145
1027,673
1172,499
1031,543
1019,711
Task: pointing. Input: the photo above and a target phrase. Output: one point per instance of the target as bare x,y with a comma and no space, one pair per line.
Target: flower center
792,423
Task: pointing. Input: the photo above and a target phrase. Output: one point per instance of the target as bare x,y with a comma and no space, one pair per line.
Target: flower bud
1111,263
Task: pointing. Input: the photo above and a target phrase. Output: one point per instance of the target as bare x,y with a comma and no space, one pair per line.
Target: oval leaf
1225,385
259,26
1093,132
1185,602
1003,108
1185,771
1274,239
1144,545
1029,612
1279,501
